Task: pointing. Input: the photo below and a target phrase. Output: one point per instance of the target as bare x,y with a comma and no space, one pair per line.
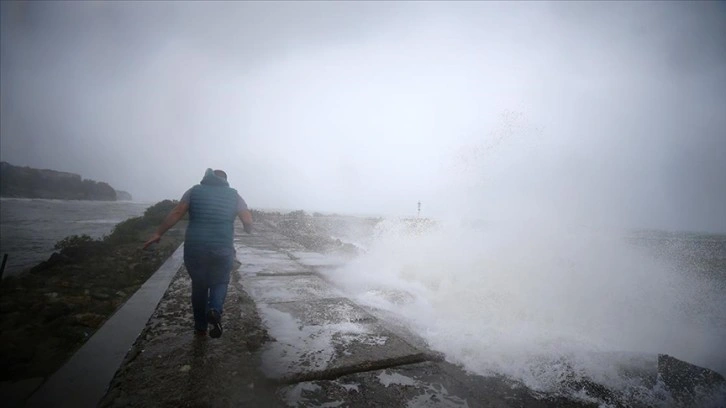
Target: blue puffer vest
212,210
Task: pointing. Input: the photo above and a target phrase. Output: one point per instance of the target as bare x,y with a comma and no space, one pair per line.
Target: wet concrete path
291,339
327,351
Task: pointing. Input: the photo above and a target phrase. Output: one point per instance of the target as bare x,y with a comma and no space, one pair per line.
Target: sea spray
547,304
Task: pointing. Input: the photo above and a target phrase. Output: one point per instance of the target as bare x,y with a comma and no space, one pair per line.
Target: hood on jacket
212,179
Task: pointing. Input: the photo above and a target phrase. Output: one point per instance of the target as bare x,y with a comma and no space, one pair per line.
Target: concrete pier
328,351
290,339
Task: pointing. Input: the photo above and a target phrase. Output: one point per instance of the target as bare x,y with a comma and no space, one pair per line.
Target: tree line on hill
27,182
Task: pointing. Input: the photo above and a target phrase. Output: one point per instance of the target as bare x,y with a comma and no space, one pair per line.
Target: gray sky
612,113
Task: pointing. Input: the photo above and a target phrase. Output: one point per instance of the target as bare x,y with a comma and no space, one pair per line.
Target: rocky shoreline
49,311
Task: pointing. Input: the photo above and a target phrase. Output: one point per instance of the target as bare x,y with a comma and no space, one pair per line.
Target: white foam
301,347
395,378
537,304
434,395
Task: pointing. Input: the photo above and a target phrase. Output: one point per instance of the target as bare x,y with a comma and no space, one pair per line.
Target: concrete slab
325,311
271,243
261,245
316,259
275,289
272,267
325,338
84,379
426,384
265,259
243,251
260,261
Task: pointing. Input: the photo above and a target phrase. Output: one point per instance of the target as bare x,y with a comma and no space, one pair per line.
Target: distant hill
123,195
27,182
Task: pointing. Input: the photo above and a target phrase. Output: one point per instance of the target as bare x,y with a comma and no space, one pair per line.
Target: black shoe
215,320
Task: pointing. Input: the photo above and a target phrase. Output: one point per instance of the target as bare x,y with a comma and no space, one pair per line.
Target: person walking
208,244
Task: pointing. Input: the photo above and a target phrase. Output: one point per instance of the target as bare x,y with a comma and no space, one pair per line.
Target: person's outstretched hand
153,240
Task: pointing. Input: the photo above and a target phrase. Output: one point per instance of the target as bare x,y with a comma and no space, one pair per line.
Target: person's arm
244,214
246,217
174,216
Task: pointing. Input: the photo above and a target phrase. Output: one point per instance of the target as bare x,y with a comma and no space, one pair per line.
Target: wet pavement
290,339
169,366
325,350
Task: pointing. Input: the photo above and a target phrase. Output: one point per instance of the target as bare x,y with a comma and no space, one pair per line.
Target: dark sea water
29,228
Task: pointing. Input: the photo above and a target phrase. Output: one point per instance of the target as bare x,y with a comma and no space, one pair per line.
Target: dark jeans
209,267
